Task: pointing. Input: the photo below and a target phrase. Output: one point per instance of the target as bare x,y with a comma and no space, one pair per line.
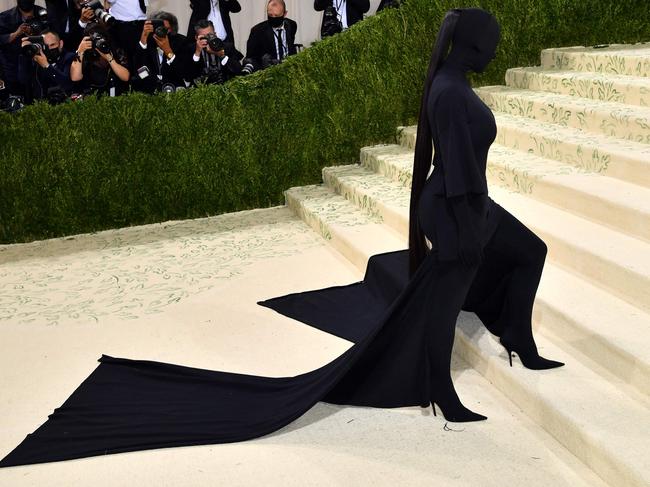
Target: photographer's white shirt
342,9
217,21
127,10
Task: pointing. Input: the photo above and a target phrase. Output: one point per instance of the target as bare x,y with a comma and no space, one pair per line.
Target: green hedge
138,159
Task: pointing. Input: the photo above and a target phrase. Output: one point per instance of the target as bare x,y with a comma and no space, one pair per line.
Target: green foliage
135,159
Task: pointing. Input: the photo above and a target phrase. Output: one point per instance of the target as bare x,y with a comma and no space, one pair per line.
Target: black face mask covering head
276,21
475,40
26,5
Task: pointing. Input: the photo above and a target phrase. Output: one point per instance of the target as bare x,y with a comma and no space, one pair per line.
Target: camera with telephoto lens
99,11
159,28
37,44
100,43
214,42
38,23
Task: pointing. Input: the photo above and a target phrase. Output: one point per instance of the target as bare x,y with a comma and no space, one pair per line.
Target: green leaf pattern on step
138,271
629,60
595,86
320,207
609,118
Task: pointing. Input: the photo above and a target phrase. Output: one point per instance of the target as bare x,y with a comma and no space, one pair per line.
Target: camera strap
143,6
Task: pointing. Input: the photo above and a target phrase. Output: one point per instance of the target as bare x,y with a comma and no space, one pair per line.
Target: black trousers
501,291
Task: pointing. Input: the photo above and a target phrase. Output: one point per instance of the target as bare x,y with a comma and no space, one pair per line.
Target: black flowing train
130,405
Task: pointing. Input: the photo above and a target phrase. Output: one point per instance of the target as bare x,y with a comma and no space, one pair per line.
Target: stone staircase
571,161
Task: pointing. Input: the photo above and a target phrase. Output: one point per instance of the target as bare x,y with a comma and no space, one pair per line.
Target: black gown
128,405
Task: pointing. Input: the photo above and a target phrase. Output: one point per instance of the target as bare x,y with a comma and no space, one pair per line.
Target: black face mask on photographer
52,55
26,5
276,21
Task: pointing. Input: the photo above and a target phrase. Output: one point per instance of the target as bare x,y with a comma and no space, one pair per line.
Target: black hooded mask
475,40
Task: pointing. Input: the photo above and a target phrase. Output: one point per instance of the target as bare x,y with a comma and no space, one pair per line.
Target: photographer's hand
201,43
87,15
23,29
164,45
41,59
85,44
147,30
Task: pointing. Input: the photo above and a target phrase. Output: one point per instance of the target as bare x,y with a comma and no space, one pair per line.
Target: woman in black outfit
402,324
453,210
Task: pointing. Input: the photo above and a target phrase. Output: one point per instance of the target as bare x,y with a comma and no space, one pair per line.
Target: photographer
23,20
45,68
98,66
124,18
156,61
347,12
272,40
213,61
218,12
63,17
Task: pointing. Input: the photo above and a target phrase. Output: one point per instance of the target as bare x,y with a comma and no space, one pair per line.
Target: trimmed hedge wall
136,159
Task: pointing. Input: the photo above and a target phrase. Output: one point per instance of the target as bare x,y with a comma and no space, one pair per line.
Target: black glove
469,240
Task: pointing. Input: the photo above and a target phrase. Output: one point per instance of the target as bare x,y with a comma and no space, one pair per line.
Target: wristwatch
170,54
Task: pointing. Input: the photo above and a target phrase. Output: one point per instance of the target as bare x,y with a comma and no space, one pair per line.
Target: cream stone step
612,260
621,159
595,420
331,216
569,403
609,332
626,122
627,59
617,204
631,90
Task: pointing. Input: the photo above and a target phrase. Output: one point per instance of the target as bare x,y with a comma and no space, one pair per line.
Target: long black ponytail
424,145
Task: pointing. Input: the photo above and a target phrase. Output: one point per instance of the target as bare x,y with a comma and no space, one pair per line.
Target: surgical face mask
276,21
26,5
52,55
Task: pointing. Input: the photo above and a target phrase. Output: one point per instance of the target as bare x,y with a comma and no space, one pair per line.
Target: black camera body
100,42
331,23
37,44
159,27
38,23
214,42
98,9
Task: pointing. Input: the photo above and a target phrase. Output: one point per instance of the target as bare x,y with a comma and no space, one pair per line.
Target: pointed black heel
458,413
452,409
530,358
